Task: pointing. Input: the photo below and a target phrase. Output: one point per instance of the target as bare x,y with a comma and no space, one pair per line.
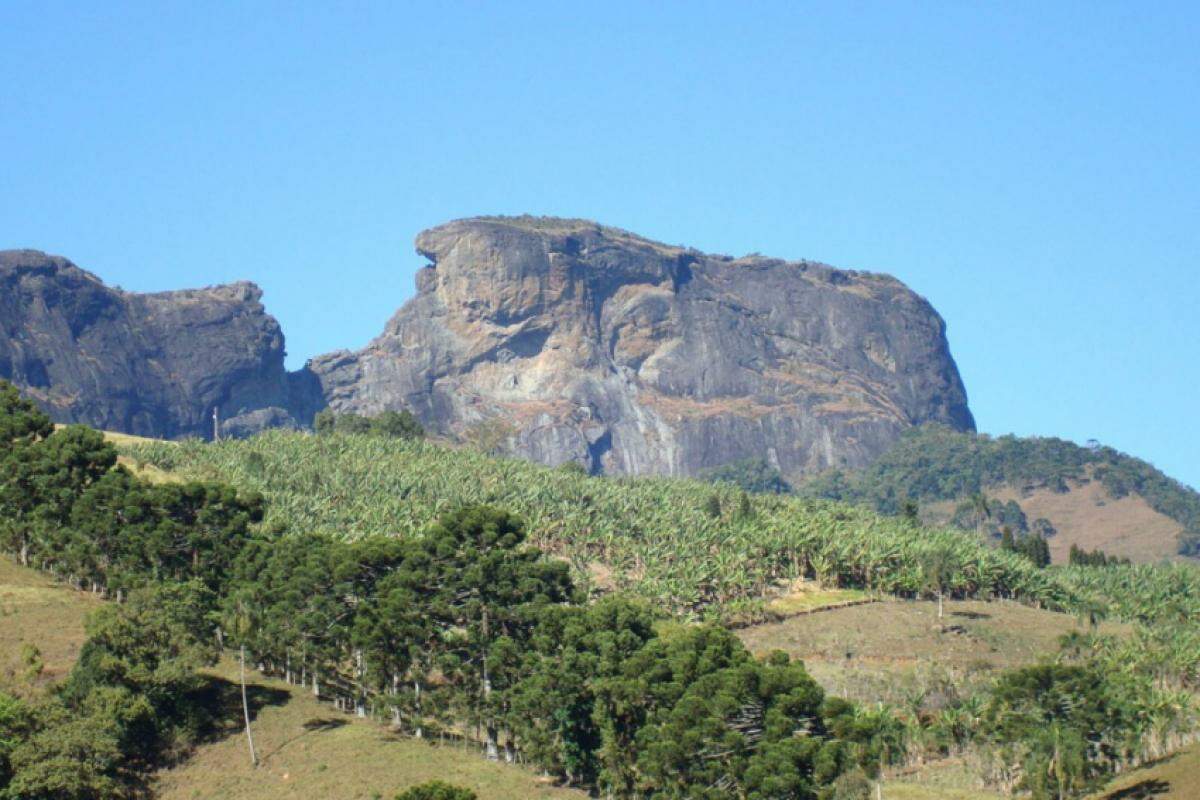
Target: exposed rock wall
575,342
148,364
556,340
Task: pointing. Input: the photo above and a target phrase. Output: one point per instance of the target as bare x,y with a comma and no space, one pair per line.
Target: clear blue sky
1031,168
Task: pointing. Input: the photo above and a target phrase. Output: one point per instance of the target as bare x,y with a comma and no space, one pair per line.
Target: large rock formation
568,341
148,364
557,340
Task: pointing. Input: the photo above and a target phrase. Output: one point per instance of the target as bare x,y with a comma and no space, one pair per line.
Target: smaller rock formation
148,364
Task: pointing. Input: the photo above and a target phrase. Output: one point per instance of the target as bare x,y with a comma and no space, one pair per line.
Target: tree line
469,631
466,630
933,463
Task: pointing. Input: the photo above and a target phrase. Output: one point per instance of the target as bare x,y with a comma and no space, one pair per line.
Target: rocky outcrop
148,364
555,340
562,340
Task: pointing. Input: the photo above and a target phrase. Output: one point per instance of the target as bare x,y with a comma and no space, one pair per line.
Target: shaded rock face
567,341
148,364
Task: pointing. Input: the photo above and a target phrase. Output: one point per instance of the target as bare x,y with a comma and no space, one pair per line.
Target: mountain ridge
631,356
554,339
153,364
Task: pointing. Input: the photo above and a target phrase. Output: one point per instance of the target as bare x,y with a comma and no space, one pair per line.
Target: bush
854,785
392,424
751,474
437,790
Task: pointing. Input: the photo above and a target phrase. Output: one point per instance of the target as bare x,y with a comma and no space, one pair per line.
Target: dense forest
461,627
934,463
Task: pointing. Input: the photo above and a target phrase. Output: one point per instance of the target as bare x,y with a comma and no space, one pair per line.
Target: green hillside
932,464
312,750
686,544
396,579
305,742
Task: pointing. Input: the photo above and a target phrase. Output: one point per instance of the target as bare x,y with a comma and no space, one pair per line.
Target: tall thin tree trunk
493,752
417,715
360,701
395,695
246,709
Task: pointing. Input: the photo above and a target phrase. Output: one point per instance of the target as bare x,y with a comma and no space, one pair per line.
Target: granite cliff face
148,364
555,340
566,341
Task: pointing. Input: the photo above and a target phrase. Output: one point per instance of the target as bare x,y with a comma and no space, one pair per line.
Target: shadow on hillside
971,614
323,724
223,701
1145,790
315,725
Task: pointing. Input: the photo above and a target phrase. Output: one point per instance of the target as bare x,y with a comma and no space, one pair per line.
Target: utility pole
246,708
216,425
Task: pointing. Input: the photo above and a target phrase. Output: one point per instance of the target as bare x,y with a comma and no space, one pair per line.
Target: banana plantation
695,547
396,576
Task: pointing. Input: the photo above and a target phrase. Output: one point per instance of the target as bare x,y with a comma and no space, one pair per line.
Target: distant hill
1092,497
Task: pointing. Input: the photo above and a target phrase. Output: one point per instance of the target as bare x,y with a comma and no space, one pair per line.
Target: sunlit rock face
562,340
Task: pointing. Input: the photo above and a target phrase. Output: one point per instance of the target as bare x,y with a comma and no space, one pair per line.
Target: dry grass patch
37,611
1088,517
309,750
950,779
148,472
804,597
889,649
1176,777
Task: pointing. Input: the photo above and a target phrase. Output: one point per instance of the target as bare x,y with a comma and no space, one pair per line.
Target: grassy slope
945,780
1173,778
346,758
897,650
1088,517
893,646
940,468
37,611
886,650
310,750
339,756
145,471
